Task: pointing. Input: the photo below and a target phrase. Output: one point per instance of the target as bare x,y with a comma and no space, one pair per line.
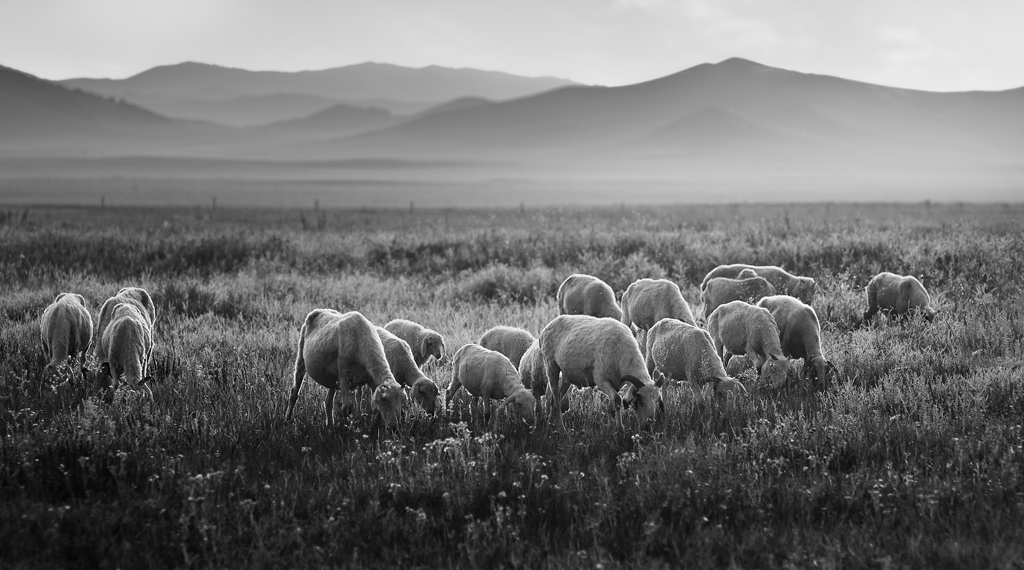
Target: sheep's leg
616,401
487,410
300,373
553,373
756,359
329,406
563,399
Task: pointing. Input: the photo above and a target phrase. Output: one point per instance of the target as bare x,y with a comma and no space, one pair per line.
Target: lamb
534,375
511,341
741,328
66,330
786,283
126,343
800,335
489,374
424,342
647,301
582,294
588,351
136,296
422,390
682,352
343,351
721,290
897,295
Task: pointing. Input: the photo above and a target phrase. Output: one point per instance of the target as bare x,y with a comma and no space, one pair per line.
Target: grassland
913,458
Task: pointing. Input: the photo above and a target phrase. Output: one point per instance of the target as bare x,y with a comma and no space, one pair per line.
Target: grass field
913,458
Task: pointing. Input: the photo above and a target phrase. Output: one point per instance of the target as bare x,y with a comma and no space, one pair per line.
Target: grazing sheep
511,341
534,375
424,342
66,330
342,352
126,343
588,351
422,390
647,301
489,374
682,352
136,296
721,290
786,283
897,295
582,294
741,328
800,335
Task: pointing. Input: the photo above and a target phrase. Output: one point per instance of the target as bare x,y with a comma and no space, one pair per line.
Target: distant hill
337,120
177,89
243,111
39,116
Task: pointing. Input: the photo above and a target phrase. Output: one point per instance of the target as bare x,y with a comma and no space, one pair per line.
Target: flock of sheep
754,316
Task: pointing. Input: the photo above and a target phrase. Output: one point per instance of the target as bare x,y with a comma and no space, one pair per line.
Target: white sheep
66,330
786,283
590,352
721,290
135,296
897,295
741,328
513,342
126,343
647,301
685,353
582,294
342,352
422,389
800,335
424,342
534,375
488,374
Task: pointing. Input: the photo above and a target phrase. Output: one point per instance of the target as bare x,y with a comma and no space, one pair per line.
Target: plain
913,457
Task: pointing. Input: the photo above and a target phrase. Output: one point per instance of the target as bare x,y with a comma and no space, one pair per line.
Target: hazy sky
942,45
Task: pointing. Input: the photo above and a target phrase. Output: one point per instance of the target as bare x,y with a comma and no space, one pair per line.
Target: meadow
914,457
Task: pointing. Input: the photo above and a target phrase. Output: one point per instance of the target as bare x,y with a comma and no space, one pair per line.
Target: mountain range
736,120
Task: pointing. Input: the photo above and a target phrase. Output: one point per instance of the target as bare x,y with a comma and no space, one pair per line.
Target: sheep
721,290
599,352
741,328
682,352
422,390
897,295
489,374
800,335
342,352
66,330
802,288
511,341
582,294
534,375
424,342
136,296
126,343
746,274
647,301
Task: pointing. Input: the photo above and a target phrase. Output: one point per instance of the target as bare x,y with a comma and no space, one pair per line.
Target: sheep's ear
414,393
505,402
773,357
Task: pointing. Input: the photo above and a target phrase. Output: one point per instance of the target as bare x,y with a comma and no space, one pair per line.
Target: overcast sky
942,45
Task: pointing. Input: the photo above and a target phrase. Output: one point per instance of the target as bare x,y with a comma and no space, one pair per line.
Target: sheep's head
727,391
524,403
645,399
820,370
388,399
424,392
929,313
746,274
803,289
776,372
433,345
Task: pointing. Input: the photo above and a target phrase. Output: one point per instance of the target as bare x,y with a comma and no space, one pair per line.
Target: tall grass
913,458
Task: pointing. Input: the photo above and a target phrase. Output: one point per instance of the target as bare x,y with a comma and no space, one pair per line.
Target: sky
937,45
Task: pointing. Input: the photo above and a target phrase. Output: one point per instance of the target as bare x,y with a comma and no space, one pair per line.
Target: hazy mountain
337,120
244,111
38,116
351,83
